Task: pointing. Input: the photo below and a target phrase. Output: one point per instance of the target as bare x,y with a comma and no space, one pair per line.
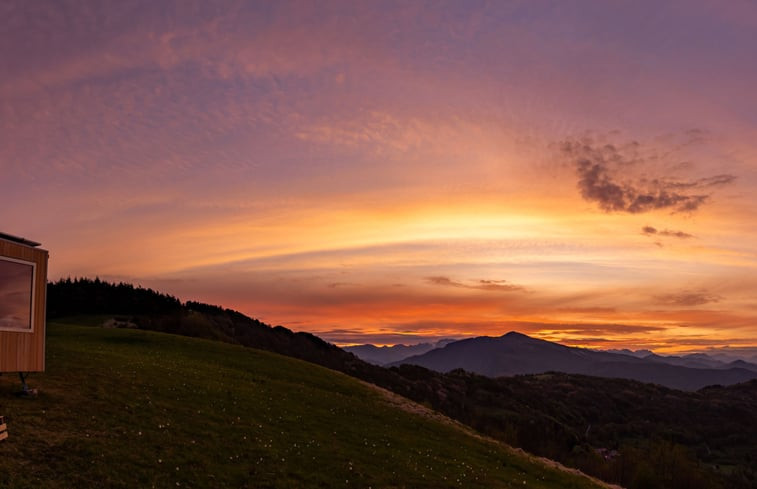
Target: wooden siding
25,351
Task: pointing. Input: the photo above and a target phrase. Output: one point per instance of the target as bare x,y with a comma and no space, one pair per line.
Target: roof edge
16,239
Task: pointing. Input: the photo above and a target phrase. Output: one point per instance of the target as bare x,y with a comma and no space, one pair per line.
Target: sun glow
389,180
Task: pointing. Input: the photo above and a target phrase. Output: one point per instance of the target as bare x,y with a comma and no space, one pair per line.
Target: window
16,295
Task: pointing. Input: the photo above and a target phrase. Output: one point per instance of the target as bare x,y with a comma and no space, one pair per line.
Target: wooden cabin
23,286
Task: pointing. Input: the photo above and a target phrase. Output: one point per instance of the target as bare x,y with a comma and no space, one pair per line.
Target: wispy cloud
605,177
688,298
651,231
492,285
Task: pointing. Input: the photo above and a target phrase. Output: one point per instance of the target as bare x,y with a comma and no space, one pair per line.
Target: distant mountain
701,360
633,353
695,360
515,353
727,354
383,355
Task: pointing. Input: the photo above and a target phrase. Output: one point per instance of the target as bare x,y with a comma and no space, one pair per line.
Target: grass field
132,408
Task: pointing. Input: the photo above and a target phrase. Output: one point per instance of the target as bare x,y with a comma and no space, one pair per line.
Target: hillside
623,431
516,354
125,306
130,408
637,435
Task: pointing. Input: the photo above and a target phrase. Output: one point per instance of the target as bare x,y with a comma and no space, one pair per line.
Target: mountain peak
515,334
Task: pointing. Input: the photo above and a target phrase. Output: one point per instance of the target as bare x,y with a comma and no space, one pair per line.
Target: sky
394,172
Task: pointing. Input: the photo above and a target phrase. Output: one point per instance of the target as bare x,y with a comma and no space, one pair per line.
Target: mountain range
515,354
383,355
713,359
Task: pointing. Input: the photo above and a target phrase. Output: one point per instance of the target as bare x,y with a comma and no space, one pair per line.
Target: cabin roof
16,239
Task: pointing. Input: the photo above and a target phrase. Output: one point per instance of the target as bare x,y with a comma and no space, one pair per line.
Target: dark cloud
335,285
494,285
588,310
688,298
707,182
650,231
717,180
600,169
443,281
675,234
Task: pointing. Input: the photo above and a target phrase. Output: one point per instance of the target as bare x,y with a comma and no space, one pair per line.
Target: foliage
619,430
68,297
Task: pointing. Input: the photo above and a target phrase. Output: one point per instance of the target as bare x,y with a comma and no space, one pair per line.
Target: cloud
493,285
334,285
716,180
430,331
605,177
651,231
496,285
443,281
345,336
597,329
688,298
588,310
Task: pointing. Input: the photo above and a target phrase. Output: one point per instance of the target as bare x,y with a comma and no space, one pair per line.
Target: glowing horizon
379,173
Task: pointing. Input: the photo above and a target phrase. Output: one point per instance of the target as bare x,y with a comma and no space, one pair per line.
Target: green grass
130,408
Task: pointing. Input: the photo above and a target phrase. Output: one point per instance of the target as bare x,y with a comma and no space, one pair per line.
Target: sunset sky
391,172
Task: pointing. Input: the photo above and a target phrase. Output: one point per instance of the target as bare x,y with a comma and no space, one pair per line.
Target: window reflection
16,280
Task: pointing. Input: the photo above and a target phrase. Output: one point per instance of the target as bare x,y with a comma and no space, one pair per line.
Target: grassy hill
638,435
134,408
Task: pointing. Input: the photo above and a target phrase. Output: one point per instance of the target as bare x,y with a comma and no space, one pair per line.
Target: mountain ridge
383,355
515,353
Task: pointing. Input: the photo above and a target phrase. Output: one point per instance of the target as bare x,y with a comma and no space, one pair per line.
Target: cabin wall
25,351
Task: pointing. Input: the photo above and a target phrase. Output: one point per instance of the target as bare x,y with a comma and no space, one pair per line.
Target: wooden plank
3,435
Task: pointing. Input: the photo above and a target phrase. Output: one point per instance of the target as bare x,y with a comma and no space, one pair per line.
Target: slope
132,408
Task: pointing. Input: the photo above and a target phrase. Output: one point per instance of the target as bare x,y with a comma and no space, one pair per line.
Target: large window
16,295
